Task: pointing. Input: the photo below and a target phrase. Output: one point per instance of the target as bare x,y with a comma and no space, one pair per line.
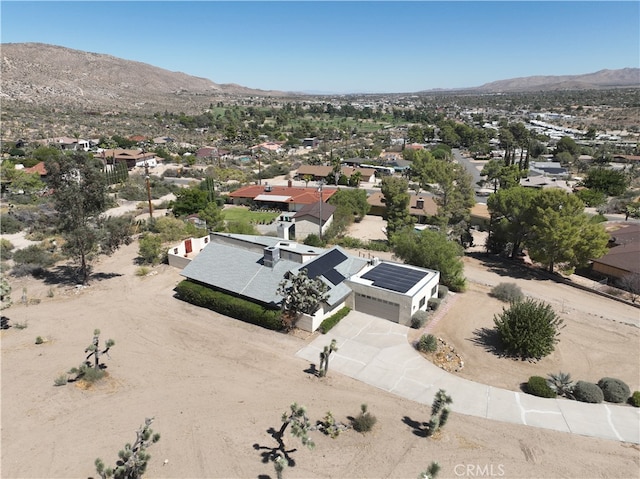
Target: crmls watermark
479,470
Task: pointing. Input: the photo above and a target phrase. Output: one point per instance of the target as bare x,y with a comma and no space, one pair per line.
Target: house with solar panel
251,267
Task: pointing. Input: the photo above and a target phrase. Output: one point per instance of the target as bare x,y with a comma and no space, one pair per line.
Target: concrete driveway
377,352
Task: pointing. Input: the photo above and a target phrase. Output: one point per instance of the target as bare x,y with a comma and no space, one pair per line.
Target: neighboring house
252,267
283,198
325,173
131,158
545,182
269,147
37,168
421,207
310,142
67,143
547,168
626,159
623,257
207,153
308,220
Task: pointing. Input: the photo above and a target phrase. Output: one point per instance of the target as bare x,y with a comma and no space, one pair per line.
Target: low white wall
178,256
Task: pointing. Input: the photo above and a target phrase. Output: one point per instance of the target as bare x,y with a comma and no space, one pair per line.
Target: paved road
377,352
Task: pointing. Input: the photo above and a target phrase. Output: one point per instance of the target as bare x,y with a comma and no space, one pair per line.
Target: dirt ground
216,386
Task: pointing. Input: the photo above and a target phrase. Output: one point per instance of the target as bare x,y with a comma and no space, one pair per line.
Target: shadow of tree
312,370
270,454
508,267
420,429
489,339
71,275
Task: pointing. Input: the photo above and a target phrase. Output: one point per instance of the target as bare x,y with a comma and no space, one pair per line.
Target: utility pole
320,208
146,174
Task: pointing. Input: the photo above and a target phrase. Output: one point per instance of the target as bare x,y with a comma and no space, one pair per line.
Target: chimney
267,187
271,256
289,183
420,204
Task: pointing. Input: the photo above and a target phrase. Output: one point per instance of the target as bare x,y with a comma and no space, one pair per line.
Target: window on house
422,301
434,291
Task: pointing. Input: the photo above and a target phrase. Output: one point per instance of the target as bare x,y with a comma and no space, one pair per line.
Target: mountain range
49,75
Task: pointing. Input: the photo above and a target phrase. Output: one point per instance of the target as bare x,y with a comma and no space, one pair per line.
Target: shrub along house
252,267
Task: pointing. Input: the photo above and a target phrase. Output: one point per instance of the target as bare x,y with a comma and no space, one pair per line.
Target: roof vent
271,256
267,187
420,204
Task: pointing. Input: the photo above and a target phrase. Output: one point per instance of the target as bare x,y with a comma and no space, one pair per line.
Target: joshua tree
431,472
324,357
301,294
300,426
439,412
133,459
94,350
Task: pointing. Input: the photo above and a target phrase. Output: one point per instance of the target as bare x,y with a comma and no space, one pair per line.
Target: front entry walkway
377,352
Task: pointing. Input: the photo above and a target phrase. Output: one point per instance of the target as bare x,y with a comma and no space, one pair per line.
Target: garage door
377,307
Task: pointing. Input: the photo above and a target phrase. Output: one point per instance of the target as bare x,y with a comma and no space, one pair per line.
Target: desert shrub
634,400
364,421
27,269
9,224
538,386
428,343
60,380
442,291
150,248
419,319
313,240
458,284
332,320
87,373
228,305
5,249
528,329
507,292
34,254
588,392
614,390
20,325
142,271
39,340
561,383
433,303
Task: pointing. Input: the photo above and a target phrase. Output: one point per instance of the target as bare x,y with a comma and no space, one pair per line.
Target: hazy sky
342,47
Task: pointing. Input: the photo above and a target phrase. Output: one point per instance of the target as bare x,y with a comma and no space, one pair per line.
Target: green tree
80,196
510,219
569,145
213,216
499,175
396,198
352,203
609,182
150,248
189,201
561,232
29,183
133,459
528,329
432,250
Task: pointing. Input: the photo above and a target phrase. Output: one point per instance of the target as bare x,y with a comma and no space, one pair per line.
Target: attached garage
377,307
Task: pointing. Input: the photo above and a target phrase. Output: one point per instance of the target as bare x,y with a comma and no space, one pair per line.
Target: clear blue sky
342,47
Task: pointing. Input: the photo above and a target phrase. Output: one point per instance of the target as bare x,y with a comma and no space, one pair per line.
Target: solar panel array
394,277
324,266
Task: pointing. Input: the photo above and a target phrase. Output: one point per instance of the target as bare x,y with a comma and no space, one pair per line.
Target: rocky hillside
56,76
624,78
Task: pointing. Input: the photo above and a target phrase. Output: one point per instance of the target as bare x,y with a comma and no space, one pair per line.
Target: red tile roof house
623,258
284,198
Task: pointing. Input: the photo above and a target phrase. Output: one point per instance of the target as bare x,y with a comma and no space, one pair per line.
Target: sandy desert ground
216,385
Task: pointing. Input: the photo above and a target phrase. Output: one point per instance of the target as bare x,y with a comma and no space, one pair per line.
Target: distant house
268,147
325,173
543,182
252,267
67,143
310,142
284,198
207,153
37,168
626,159
421,207
623,257
131,158
547,168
